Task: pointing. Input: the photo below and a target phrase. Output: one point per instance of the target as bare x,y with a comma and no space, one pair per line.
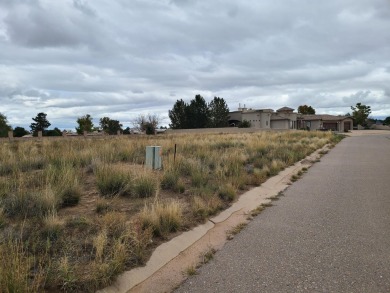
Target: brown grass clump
162,218
113,180
16,267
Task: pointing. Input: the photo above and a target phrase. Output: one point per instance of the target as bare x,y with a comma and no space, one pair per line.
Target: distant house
260,118
325,122
283,118
286,118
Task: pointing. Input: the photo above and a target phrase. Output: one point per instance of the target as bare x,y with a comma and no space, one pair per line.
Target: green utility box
153,157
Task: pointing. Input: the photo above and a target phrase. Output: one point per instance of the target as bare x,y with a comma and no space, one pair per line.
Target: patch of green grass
102,206
266,205
257,211
235,230
179,187
70,196
198,178
191,270
170,180
2,218
145,185
208,255
227,192
29,203
113,181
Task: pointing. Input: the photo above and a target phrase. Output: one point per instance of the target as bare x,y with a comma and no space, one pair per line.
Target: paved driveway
329,233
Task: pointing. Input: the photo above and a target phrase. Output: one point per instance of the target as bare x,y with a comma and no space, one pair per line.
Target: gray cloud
121,58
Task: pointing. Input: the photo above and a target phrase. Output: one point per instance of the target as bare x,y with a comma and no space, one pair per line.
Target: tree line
195,114
146,123
199,114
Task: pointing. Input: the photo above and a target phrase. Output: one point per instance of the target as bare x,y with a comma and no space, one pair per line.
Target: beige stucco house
258,118
325,122
285,118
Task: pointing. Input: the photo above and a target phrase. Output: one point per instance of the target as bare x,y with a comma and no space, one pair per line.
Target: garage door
330,125
347,125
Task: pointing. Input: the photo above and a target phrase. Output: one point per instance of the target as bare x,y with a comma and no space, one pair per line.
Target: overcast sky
120,58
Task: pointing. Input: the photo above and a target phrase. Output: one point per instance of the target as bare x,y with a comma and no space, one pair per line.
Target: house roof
324,117
284,109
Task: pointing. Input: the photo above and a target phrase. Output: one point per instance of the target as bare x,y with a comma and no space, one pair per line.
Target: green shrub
2,217
244,124
227,192
149,128
29,204
113,181
102,206
169,180
179,187
198,178
53,226
145,185
66,276
70,196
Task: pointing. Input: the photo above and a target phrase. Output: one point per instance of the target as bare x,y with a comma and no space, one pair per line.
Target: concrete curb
247,202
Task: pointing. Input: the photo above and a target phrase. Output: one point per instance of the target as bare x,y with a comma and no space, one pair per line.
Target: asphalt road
329,233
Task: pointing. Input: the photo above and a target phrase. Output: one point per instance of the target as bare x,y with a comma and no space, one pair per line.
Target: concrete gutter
247,202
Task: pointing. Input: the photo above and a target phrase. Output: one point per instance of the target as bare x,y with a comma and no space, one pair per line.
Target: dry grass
16,266
162,218
235,230
74,204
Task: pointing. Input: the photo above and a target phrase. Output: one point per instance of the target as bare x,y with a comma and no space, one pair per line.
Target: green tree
20,131
219,113
386,121
110,126
85,124
360,114
149,128
198,114
178,115
53,132
244,124
126,130
40,124
4,127
306,110
147,123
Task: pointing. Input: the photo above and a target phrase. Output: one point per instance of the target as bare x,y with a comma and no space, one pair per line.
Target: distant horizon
130,125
